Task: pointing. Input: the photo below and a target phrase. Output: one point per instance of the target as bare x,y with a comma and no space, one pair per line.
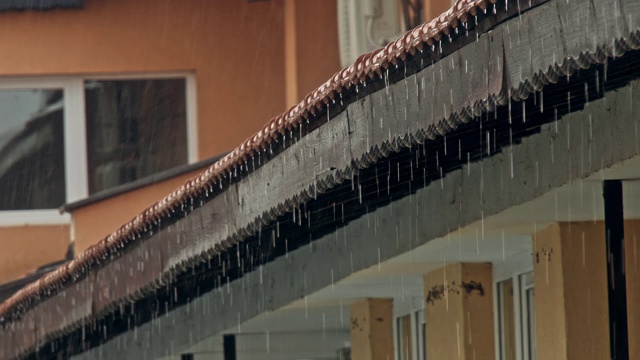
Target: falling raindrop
509,108
503,248
511,161
324,327
586,94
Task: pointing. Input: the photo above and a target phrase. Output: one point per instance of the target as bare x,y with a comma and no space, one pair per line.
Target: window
405,344
421,330
410,333
516,318
528,316
31,149
135,128
62,139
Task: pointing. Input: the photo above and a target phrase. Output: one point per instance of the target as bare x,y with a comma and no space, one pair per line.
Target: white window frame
75,140
419,322
526,347
513,271
416,322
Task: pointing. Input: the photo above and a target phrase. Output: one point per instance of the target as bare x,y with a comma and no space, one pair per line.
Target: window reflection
506,320
404,337
31,149
135,128
516,317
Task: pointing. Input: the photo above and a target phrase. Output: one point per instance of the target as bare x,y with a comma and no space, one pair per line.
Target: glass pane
527,279
424,341
31,149
404,337
422,332
528,316
135,128
532,322
507,320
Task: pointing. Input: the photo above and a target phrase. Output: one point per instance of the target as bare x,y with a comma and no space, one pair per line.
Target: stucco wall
433,8
25,248
312,52
95,221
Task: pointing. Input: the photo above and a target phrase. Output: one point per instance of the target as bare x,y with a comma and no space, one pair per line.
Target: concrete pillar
571,304
459,312
632,263
372,329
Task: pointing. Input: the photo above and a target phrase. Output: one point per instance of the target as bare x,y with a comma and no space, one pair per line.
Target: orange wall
318,50
312,54
24,248
95,221
433,8
235,47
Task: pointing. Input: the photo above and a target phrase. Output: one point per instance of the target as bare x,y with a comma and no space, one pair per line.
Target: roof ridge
368,65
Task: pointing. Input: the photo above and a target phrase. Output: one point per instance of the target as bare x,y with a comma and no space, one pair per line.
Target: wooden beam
372,329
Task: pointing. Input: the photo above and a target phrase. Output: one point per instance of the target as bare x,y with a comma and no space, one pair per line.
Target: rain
409,180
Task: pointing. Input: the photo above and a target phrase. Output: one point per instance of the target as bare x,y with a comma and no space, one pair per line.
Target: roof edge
140,183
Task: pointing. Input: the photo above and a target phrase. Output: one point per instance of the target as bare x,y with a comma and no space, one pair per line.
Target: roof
10,288
367,66
137,184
